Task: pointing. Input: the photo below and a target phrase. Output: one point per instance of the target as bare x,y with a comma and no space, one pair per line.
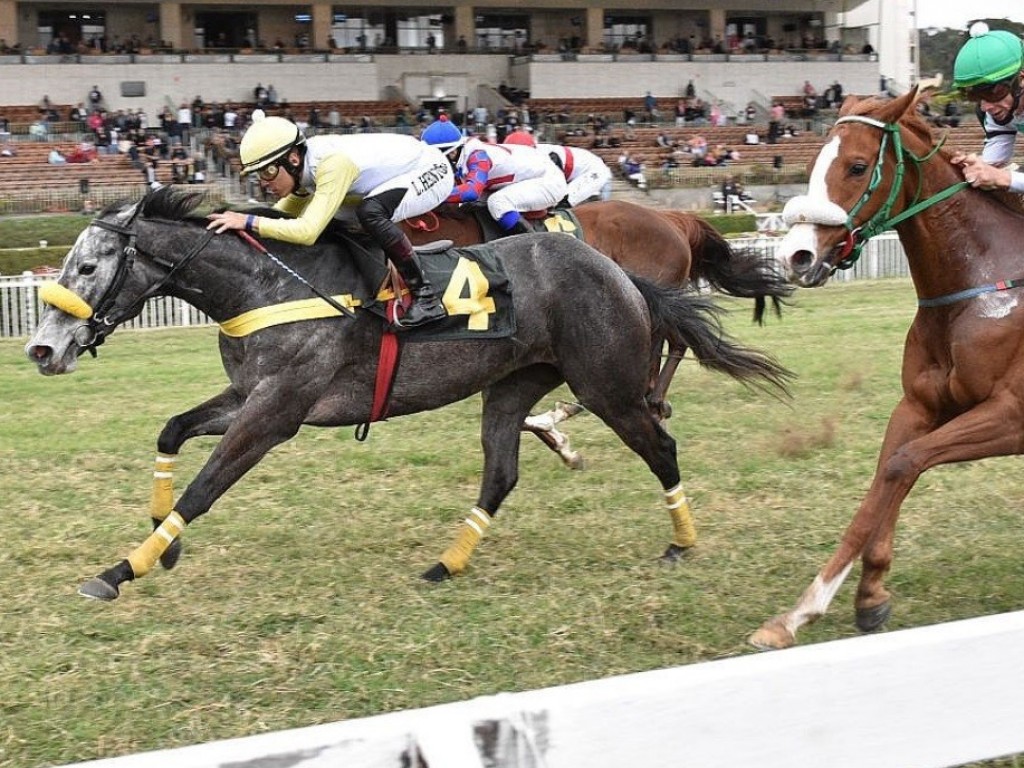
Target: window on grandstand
63,31
504,32
624,32
357,32
420,32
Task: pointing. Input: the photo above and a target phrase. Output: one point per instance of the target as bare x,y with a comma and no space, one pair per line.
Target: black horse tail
687,320
745,273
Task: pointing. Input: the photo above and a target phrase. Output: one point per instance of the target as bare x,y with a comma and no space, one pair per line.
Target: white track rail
921,698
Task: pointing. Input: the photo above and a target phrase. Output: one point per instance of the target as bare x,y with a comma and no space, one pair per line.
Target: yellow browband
66,300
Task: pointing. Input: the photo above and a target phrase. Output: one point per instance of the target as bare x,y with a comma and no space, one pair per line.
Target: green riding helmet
989,57
268,139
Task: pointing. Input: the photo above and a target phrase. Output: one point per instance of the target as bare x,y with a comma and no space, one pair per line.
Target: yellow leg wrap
685,533
456,557
146,554
162,501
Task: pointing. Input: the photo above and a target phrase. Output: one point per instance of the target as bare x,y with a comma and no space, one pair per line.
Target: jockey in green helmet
988,72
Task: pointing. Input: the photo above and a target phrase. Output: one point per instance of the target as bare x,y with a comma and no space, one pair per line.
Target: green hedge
732,223
20,236
14,262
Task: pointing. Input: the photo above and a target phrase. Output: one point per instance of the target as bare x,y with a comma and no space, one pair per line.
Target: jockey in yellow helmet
988,72
386,177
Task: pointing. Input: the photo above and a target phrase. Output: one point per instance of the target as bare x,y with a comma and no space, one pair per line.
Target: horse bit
101,320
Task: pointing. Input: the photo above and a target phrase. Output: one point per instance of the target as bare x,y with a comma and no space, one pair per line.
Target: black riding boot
426,307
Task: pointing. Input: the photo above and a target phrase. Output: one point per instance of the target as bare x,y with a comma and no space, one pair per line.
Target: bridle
101,319
849,251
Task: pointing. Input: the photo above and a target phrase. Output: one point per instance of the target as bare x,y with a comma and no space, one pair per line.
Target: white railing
19,305
930,697
20,308
882,256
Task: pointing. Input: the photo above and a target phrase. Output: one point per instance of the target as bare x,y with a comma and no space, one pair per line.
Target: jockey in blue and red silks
513,179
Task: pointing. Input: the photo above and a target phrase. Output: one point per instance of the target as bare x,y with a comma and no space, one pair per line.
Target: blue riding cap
443,135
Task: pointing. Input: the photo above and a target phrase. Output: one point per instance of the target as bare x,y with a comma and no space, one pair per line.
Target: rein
881,220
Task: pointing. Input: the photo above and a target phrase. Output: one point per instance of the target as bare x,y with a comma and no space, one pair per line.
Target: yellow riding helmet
267,140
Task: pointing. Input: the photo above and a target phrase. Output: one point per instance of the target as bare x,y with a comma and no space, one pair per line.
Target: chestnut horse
963,361
672,248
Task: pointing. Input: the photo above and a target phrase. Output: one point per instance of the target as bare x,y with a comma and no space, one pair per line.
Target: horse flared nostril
40,353
801,261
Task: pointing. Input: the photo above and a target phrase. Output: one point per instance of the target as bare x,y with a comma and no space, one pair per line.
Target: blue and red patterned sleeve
471,185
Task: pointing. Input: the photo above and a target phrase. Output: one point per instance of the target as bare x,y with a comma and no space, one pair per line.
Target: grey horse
293,358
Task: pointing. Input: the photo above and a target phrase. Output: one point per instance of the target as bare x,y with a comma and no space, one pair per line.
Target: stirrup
432,311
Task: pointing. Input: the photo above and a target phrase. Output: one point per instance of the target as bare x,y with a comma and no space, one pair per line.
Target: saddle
552,220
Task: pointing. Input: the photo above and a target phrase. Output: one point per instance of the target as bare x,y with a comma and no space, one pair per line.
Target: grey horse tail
686,319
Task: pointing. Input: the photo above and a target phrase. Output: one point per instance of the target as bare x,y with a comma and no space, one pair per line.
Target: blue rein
970,293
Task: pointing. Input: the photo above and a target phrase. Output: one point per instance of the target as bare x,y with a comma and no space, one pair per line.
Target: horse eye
858,169
86,269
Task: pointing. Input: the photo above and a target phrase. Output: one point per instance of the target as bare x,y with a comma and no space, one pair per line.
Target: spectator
776,116
633,170
95,98
272,99
690,91
83,153
184,122
55,157
650,108
38,131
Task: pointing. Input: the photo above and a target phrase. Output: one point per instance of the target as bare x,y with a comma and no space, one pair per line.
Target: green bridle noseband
881,220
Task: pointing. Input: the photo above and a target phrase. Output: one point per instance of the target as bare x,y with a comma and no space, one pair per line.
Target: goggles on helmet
269,172
989,92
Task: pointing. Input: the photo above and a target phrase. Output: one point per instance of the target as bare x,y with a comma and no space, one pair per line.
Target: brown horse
963,362
672,248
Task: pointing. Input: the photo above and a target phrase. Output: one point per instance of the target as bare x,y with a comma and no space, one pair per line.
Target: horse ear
848,103
898,107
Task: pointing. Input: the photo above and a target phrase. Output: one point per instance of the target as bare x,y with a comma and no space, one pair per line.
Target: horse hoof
674,553
437,573
575,461
870,619
772,636
98,589
169,558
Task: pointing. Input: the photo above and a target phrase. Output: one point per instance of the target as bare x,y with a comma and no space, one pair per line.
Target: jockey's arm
474,182
334,178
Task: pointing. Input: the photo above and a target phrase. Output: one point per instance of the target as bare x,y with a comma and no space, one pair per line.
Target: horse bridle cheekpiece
101,320
849,251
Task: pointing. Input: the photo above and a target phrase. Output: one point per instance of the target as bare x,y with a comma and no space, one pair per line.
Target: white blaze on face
804,212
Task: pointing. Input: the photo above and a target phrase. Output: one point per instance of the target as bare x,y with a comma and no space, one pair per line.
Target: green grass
298,599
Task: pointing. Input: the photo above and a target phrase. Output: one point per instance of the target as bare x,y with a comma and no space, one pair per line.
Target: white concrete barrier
921,698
